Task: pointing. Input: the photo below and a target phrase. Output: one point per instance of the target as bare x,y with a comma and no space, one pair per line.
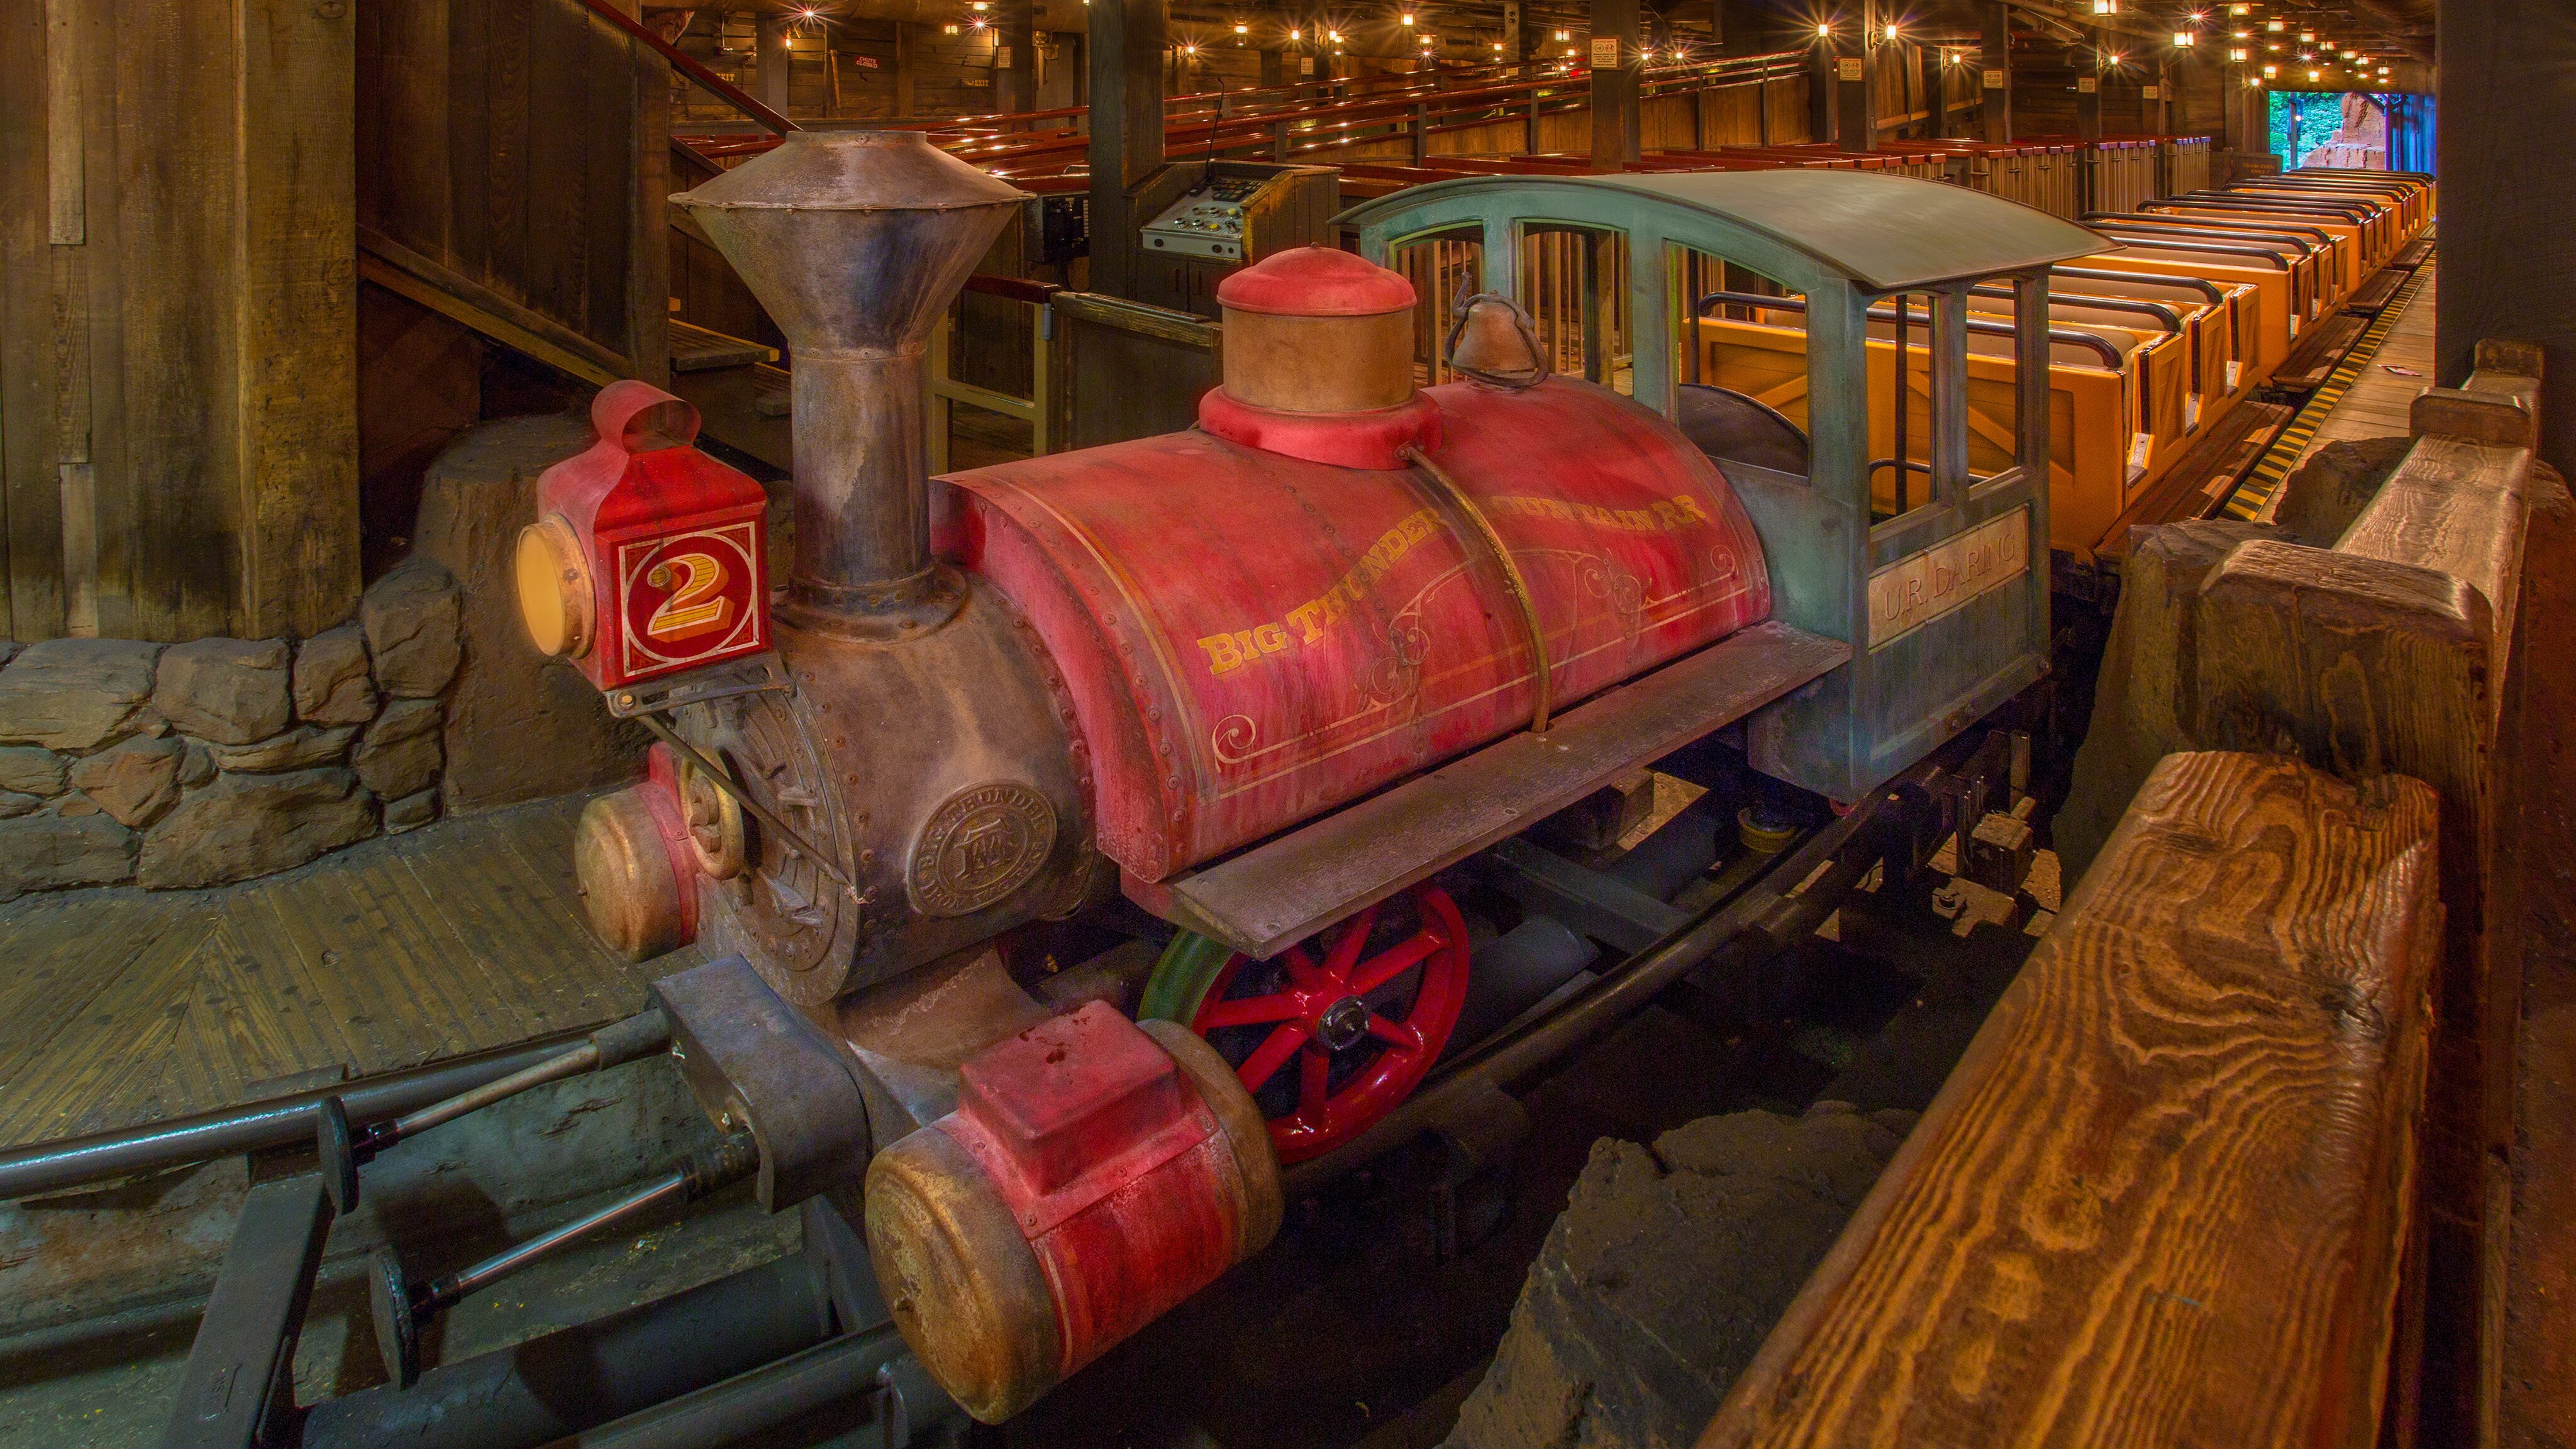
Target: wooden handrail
1327,126
723,89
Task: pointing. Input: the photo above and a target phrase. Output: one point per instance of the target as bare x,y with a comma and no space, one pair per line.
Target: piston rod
637,1036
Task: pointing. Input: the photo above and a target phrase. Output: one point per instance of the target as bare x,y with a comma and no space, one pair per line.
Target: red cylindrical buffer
1095,1173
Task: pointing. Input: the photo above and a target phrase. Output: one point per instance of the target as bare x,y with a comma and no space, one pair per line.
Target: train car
1267,679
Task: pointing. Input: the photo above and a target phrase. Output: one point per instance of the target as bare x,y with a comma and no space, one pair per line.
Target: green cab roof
1884,232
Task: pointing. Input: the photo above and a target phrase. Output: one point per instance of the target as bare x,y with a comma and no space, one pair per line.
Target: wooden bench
2164,1197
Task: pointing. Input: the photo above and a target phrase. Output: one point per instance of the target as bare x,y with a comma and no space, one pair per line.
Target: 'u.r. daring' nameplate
1914,591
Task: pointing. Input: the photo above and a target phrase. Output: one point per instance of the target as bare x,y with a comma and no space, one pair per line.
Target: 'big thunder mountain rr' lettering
1309,622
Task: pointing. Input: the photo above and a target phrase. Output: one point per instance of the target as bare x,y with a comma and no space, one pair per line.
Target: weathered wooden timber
2165,1195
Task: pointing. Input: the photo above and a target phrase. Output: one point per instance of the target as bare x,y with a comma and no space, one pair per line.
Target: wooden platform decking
120,1007
2366,396
2376,404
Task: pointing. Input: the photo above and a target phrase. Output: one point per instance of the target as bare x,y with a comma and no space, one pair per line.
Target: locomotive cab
1268,678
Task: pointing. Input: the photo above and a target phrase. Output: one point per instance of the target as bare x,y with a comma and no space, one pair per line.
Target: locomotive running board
1287,888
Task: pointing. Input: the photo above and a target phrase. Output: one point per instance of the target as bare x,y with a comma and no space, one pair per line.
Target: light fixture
949,29
1565,35
1891,30
2315,75
2240,9
2351,55
1190,49
2239,54
1334,36
2276,26
2106,7
2186,39
1823,27
1295,32
2271,70
2307,37
1407,18
2253,83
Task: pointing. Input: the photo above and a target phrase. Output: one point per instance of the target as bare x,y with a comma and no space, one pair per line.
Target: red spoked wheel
1332,1033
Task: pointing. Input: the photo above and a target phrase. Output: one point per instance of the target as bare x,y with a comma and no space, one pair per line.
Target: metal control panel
1207,223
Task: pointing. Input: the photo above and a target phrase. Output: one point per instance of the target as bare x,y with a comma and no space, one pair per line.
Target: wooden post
1855,107
1824,56
648,245
2507,180
1616,123
1994,62
1126,129
904,73
1419,128
1015,67
776,62
1515,32
1936,90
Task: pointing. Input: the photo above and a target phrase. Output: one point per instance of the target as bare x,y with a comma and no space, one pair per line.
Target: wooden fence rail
2175,1188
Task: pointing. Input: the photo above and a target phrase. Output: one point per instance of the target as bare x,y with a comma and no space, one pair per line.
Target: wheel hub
1343,1024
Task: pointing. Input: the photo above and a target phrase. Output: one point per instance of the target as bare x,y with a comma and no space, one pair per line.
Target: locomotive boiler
1207,671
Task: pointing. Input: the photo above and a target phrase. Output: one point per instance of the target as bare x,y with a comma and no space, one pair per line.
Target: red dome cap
1315,282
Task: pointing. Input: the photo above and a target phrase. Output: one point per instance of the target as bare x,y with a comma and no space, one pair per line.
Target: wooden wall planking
523,147
177,435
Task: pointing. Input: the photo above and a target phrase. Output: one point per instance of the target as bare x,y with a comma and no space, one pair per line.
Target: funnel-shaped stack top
854,240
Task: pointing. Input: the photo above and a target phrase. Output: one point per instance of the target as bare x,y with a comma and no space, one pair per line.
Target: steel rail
69,1162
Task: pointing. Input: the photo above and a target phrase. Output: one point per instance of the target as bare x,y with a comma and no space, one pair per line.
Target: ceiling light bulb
1891,30
1408,18
2185,39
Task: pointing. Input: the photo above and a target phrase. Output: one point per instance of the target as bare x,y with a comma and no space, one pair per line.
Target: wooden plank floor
2376,404
120,1007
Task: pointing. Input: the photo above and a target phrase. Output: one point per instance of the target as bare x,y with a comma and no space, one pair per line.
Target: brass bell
1492,342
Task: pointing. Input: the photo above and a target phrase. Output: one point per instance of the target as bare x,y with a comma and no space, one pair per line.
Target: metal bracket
748,675
240,1379
754,1061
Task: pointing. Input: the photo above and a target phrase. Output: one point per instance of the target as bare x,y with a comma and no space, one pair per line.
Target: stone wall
181,765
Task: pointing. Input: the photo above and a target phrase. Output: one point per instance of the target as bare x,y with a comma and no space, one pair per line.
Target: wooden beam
398,268
2163,1197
